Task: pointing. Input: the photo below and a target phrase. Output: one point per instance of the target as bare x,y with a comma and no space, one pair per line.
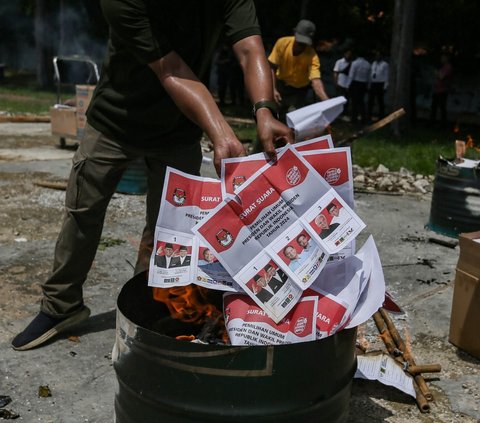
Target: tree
43,43
400,60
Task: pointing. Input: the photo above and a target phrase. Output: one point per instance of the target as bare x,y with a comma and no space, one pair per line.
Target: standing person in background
378,85
358,78
152,103
340,76
295,67
441,88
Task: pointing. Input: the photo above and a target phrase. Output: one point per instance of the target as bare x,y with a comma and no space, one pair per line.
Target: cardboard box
84,94
63,121
465,318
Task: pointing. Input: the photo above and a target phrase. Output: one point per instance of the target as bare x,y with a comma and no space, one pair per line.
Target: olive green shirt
129,103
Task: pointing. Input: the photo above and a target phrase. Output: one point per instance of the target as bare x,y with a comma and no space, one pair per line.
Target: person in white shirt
378,85
358,79
305,243
340,75
296,259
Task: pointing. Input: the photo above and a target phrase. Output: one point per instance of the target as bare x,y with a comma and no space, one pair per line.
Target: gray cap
304,32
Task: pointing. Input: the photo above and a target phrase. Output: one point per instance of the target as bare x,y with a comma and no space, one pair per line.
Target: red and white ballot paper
269,240
346,294
333,164
178,258
285,216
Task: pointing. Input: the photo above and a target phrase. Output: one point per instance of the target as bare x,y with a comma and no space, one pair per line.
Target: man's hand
224,148
272,133
277,96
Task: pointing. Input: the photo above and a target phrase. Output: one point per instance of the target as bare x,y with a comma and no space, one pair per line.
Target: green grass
416,151
18,94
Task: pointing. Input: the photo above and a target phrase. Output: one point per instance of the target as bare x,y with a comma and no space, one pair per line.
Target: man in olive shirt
295,67
151,102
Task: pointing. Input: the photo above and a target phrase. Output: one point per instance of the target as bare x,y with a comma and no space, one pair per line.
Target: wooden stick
422,402
377,125
407,356
53,185
385,335
424,368
420,399
25,119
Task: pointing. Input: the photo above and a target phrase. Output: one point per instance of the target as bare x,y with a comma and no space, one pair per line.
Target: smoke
68,28
76,34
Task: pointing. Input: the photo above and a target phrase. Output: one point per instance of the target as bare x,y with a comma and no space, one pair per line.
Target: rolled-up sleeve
315,68
240,20
131,26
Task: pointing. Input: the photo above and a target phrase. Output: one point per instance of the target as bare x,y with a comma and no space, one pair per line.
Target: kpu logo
179,196
224,237
238,180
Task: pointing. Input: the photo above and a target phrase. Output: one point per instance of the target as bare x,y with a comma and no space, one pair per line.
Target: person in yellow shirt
295,67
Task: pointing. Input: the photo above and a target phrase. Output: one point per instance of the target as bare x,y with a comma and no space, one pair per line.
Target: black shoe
44,327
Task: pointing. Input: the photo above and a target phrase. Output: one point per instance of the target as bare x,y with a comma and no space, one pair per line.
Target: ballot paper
310,121
383,368
178,258
334,164
354,283
248,324
285,214
236,170
358,282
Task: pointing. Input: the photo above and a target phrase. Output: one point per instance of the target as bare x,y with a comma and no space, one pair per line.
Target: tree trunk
304,9
400,61
43,44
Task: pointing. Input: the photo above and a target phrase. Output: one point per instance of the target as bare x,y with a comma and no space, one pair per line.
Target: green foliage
416,152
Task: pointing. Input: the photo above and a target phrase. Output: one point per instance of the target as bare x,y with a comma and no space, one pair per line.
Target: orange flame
187,303
456,128
469,143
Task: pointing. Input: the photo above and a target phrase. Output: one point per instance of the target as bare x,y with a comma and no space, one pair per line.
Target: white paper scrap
384,369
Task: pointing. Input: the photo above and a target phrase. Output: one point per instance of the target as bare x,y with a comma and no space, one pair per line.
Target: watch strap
268,104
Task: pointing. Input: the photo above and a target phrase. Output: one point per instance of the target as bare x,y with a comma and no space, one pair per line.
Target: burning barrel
455,204
161,378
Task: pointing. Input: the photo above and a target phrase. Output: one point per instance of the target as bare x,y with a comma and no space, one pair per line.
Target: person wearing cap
295,67
152,103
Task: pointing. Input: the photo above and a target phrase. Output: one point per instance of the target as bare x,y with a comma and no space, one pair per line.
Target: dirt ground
78,371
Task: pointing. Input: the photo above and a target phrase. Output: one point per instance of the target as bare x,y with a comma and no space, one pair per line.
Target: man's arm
258,81
195,101
276,94
319,89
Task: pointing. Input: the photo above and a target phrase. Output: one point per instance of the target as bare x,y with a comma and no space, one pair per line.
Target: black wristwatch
270,105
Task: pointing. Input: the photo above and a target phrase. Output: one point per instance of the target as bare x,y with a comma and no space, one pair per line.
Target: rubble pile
382,179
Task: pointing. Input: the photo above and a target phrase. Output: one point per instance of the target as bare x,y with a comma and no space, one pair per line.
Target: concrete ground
78,370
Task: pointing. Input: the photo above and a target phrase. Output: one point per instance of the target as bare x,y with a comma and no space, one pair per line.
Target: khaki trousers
98,165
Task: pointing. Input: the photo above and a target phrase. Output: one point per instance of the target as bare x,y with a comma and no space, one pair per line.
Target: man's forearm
258,79
190,95
319,89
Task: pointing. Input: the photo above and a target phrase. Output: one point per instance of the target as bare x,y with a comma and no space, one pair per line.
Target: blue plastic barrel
134,179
